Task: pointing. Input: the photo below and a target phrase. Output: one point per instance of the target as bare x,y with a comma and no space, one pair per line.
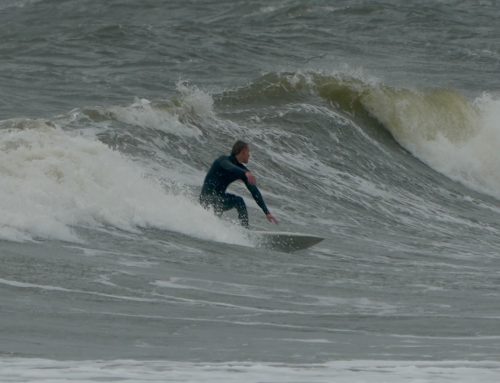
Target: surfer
225,170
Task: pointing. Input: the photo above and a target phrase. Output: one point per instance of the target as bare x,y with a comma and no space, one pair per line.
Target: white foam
457,138
196,100
142,114
53,180
476,160
43,371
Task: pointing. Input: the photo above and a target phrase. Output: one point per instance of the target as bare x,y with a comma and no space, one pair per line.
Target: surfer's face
245,155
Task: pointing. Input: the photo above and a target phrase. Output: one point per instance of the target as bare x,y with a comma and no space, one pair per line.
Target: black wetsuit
225,170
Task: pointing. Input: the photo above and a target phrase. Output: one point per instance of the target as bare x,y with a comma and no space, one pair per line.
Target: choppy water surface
372,124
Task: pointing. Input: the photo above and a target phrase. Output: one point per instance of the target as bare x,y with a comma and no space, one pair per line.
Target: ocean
373,124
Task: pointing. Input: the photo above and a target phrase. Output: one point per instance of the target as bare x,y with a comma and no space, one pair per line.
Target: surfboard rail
285,241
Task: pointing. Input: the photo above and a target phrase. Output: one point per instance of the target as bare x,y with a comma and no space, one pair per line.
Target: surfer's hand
271,219
250,178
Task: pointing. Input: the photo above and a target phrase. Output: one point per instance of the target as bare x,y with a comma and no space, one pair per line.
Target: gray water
372,124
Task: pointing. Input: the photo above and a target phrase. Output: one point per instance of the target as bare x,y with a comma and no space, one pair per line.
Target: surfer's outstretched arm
257,196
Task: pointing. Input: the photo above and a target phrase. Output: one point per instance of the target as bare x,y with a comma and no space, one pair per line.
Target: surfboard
284,241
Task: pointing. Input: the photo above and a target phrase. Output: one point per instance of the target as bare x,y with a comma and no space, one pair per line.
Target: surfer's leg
233,201
242,213
211,202
204,202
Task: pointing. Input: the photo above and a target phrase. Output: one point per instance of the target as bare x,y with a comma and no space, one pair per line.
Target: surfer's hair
238,147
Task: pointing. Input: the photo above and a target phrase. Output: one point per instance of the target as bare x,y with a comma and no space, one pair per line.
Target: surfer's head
241,151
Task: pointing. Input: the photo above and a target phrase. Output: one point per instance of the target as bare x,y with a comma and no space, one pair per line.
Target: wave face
451,134
374,125
330,142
